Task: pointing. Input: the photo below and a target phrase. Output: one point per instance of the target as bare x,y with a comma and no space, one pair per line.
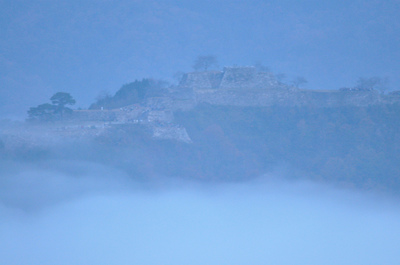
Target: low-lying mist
82,213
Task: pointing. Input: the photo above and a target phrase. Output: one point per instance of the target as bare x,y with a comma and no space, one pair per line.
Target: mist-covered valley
199,132
348,146
254,185
101,216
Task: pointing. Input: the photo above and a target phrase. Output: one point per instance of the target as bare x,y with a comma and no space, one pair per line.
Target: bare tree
383,85
260,67
103,95
178,76
203,63
280,77
299,81
372,83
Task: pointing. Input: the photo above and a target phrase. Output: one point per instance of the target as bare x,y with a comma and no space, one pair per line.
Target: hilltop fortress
234,86
244,86
155,113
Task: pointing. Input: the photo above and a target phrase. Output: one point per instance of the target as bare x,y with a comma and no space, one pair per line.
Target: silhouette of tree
261,68
59,100
203,63
43,112
373,83
280,77
178,76
299,81
47,111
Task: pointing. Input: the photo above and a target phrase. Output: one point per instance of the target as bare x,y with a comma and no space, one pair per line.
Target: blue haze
104,219
85,213
84,47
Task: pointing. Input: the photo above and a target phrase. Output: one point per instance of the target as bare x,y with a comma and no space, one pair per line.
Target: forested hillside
348,146
354,146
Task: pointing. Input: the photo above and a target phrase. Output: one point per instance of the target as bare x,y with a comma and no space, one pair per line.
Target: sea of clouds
81,213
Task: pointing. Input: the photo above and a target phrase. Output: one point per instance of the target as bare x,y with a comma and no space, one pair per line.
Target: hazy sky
84,47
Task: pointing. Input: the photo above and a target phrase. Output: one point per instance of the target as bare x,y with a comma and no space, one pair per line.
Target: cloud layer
106,219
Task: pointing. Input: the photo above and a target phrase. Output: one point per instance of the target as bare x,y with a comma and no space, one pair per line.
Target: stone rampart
246,78
234,86
287,97
172,133
202,80
95,115
230,78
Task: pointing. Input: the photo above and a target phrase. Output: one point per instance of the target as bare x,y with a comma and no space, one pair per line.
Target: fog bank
100,217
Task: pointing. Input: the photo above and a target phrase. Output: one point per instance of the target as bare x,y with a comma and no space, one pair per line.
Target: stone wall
230,78
234,86
172,133
164,116
288,97
246,78
202,80
97,115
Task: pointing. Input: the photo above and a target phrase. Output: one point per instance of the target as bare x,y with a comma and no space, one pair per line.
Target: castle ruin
234,86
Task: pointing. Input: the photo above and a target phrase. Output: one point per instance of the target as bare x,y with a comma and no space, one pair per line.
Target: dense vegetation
351,146
54,111
131,93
